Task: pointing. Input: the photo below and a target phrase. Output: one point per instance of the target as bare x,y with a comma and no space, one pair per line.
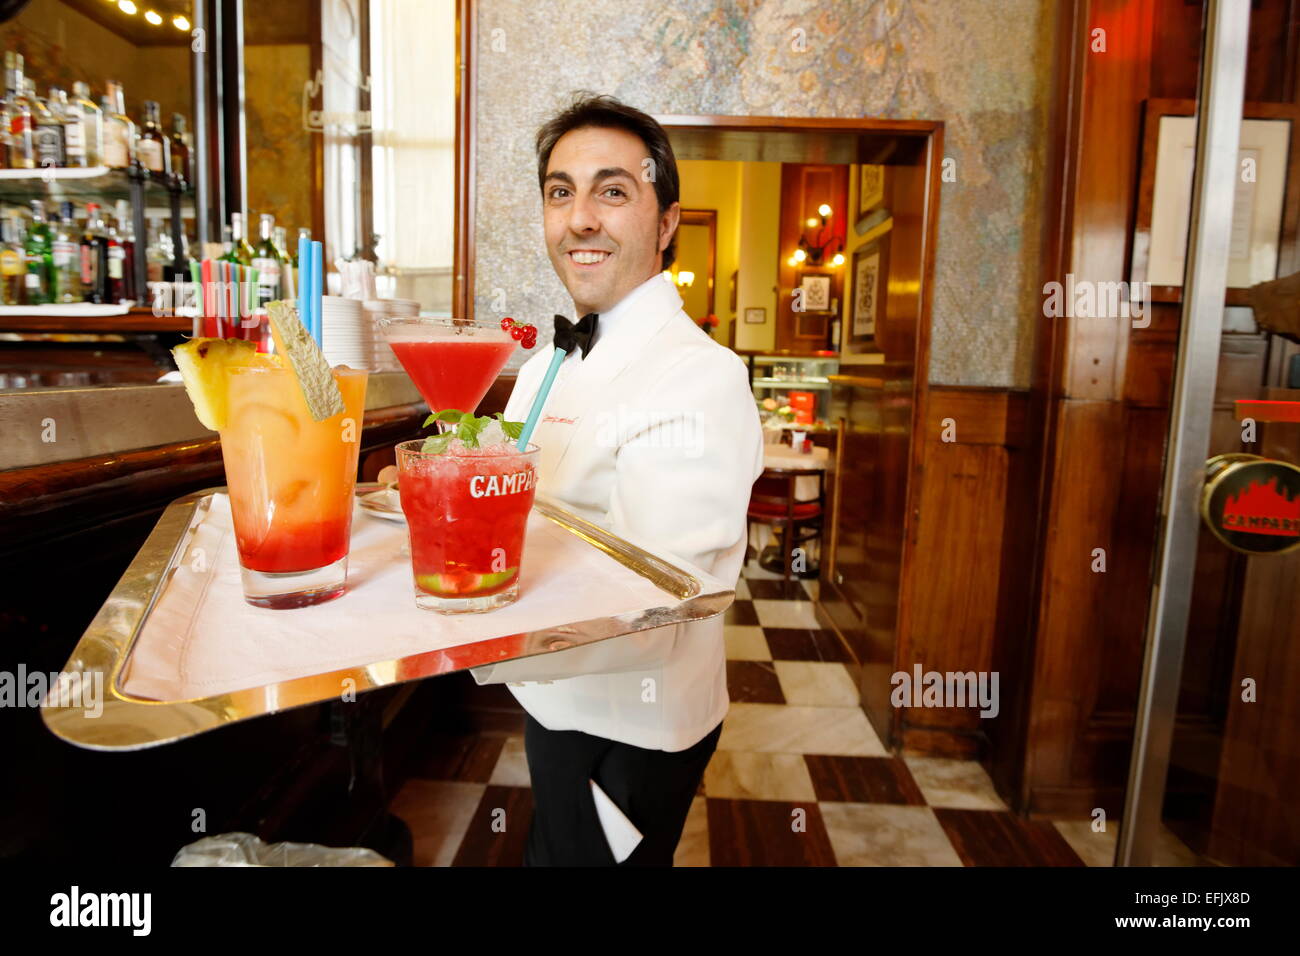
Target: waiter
649,430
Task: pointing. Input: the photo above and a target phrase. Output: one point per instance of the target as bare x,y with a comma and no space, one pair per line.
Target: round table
805,489
783,456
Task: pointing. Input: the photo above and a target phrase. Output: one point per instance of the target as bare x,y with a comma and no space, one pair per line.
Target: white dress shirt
654,436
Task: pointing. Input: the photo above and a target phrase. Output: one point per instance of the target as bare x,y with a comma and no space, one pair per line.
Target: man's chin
587,288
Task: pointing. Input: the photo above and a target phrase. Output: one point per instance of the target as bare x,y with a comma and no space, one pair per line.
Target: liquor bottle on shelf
22,154
116,286
40,260
4,133
152,147
47,131
13,263
180,152
240,251
267,261
74,128
126,238
67,258
280,236
91,120
158,258
303,233
119,131
94,257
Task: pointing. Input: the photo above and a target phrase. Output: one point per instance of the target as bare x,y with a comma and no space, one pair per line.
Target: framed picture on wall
1266,155
816,289
871,190
870,275
756,315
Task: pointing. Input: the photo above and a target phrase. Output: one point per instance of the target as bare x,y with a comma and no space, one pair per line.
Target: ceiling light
824,210
180,23
838,260
126,6
153,17
800,255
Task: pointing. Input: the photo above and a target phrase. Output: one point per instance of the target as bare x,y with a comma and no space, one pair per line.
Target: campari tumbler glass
466,514
291,483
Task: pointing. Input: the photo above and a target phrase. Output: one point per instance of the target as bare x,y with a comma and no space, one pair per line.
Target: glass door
1215,766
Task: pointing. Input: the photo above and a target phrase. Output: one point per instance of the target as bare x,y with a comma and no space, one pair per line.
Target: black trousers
653,788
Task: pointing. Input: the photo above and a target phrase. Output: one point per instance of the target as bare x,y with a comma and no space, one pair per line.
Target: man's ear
668,224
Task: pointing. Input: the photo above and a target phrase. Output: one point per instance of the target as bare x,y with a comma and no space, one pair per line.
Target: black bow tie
567,335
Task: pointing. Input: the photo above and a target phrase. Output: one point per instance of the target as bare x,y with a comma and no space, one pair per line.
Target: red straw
209,314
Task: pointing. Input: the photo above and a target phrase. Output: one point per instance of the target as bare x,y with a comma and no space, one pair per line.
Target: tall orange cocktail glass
291,482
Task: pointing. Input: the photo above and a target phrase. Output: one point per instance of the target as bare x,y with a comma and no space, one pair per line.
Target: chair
772,502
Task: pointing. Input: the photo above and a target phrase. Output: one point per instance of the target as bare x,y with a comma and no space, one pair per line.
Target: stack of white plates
347,338
382,358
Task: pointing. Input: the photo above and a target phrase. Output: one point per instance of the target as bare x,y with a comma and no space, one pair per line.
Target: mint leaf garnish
437,444
512,429
446,415
467,429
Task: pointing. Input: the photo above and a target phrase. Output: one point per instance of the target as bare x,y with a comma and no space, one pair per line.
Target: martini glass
453,362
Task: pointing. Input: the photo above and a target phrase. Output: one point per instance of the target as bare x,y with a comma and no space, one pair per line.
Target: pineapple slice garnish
203,363
303,355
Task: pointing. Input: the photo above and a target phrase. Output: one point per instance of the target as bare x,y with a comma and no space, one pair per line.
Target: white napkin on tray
203,638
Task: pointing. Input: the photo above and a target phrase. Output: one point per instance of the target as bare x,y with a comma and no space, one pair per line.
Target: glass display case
792,391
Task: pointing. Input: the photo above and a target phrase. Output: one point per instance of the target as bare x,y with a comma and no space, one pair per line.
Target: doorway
824,250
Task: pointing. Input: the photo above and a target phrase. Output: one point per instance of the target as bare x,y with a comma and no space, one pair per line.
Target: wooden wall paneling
466,147
1031,467
804,187
1115,84
959,556
1067,655
897,400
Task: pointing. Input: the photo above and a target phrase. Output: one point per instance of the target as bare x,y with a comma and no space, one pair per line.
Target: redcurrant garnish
516,333
506,323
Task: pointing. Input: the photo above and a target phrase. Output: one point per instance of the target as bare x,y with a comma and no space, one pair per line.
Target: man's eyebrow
561,176
609,172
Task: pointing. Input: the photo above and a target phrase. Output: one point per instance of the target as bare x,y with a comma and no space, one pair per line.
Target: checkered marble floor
799,778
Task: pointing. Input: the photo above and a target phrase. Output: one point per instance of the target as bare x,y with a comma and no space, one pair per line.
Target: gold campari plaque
1252,504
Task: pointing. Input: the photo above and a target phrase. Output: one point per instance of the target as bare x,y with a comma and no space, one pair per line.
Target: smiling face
604,231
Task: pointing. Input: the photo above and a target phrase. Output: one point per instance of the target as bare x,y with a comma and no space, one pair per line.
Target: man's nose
583,216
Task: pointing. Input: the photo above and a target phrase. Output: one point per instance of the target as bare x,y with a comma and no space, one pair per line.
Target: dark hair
605,112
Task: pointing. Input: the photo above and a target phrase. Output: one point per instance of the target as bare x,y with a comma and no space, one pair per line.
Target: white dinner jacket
654,436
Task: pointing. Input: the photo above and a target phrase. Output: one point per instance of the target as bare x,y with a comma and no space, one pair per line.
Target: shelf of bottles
84,192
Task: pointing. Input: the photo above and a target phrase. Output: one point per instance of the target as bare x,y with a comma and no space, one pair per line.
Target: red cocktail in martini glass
453,362
466,507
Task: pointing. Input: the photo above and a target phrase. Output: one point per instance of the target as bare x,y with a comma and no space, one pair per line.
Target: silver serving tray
135,723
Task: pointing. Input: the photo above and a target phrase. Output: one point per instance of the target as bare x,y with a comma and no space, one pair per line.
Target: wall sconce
813,252
685,278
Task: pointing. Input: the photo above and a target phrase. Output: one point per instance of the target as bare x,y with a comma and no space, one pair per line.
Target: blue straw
304,280
536,411
317,288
